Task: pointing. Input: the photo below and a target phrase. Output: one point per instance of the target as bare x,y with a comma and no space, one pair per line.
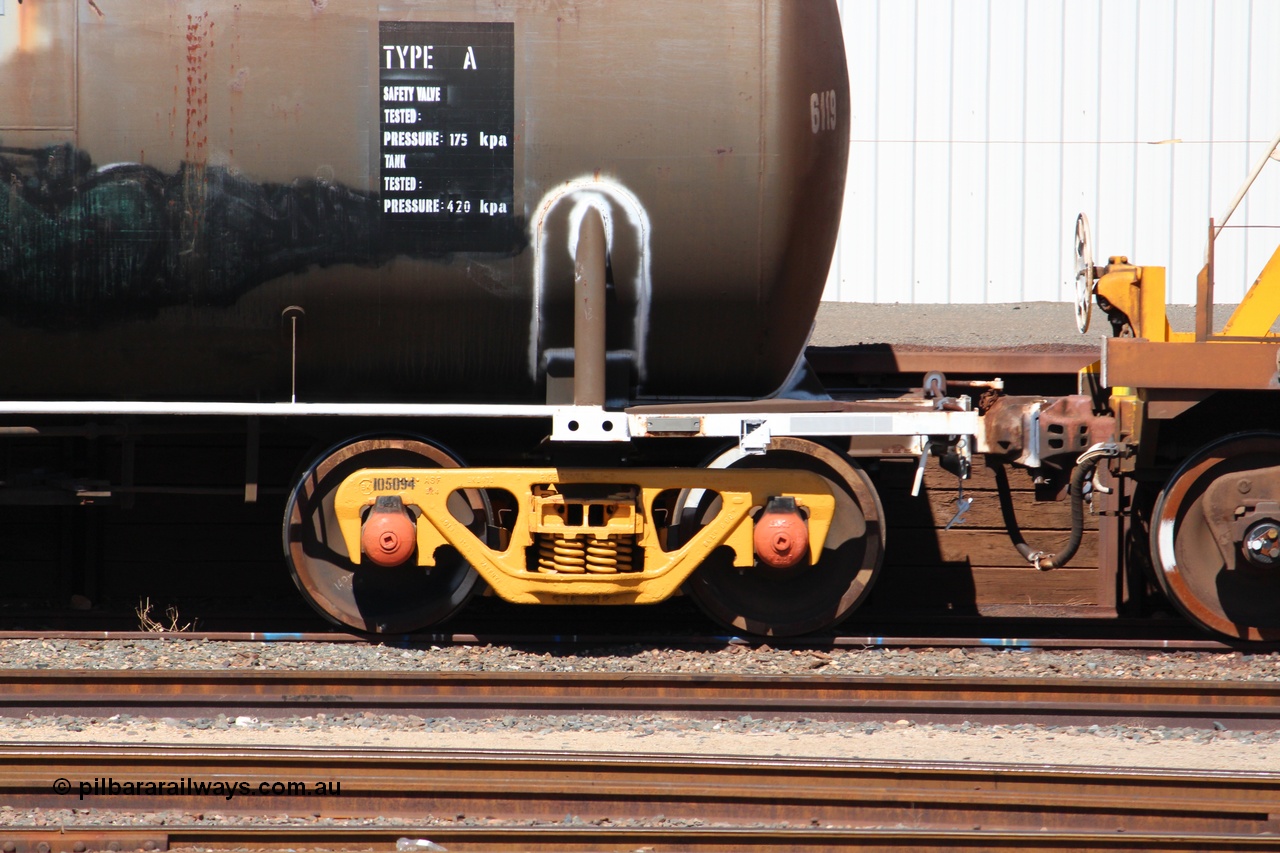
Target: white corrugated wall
982,127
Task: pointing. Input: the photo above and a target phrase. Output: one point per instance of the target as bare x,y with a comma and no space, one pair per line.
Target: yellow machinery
1214,529
598,543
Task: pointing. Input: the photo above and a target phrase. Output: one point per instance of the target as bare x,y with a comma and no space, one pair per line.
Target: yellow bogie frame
507,571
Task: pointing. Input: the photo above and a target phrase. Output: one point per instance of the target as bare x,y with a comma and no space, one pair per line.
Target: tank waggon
388,222
533,280
359,201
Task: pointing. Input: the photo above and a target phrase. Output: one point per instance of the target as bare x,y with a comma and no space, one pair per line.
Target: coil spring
579,556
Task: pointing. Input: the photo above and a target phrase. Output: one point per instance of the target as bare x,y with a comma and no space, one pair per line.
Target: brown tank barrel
406,178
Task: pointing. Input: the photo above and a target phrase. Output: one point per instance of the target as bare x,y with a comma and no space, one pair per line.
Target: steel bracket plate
1216,365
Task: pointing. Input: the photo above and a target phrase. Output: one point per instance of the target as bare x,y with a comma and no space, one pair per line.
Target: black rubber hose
1081,475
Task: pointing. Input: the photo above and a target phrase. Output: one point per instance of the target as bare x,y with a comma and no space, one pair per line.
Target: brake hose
1086,464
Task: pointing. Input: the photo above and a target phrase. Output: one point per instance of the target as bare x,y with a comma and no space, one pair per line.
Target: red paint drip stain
199,42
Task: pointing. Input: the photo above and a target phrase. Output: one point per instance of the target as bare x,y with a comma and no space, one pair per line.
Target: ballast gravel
1219,748
1110,746
175,653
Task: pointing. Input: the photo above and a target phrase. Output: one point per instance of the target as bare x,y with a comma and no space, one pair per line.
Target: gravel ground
999,325
1105,745
1217,748
759,660
1120,747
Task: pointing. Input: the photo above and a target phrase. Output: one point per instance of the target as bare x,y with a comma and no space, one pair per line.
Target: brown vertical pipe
588,320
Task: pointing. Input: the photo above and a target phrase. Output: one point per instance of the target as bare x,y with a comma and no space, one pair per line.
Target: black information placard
447,121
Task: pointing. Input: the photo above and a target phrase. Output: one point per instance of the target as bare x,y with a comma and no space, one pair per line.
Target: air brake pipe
588,317
1085,466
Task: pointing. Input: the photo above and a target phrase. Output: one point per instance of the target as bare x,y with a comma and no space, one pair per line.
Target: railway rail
656,839
1057,701
535,801
1123,637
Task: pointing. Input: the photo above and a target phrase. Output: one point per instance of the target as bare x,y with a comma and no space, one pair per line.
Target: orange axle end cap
781,537
389,535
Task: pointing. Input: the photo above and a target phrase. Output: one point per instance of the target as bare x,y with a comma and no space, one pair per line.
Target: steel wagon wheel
368,597
805,598
1215,536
